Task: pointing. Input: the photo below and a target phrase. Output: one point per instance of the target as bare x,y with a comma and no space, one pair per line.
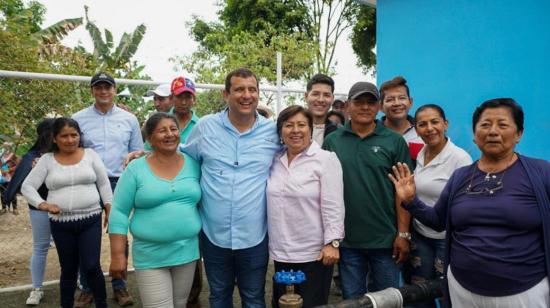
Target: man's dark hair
240,72
515,110
394,83
320,78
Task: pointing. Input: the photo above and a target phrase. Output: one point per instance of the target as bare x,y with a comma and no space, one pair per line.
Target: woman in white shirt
73,176
436,162
305,208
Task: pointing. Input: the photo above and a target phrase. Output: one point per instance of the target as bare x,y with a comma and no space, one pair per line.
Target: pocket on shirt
123,134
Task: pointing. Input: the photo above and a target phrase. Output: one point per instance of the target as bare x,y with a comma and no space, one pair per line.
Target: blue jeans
40,226
358,266
425,262
78,243
224,266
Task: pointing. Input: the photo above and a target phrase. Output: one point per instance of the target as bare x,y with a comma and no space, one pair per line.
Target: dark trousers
193,299
79,243
117,284
6,204
314,291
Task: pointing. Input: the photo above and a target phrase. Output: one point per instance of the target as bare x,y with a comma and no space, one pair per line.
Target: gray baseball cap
362,87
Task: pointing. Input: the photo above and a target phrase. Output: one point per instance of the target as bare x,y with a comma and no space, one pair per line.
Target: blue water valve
289,278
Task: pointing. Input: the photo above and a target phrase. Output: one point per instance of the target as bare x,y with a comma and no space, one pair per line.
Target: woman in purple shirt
497,216
305,208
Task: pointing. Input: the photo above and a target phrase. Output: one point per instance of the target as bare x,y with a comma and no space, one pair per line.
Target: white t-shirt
319,133
432,178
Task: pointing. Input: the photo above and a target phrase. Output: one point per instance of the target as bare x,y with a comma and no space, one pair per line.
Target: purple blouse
497,241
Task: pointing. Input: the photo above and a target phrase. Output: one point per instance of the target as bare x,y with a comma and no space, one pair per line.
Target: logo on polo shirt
375,148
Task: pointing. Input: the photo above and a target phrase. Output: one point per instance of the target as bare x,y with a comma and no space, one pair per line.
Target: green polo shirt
369,197
184,132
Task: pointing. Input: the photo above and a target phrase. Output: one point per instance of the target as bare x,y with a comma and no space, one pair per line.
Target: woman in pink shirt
305,208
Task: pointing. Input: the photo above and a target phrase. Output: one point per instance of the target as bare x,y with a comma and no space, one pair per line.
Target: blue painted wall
460,53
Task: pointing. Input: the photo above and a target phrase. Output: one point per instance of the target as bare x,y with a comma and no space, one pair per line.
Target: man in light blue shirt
236,149
113,133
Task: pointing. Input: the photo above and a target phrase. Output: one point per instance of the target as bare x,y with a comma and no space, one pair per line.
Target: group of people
236,189
8,164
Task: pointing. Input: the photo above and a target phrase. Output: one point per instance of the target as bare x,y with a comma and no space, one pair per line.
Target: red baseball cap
182,84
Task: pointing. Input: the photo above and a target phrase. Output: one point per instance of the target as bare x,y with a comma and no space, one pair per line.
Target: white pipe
46,76
279,82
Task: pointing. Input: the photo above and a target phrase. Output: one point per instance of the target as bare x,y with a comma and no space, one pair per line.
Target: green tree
322,23
26,46
363,38
118,60
25,102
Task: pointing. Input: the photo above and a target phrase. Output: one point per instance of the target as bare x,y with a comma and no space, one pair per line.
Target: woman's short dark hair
338,114
44,136
291,111
58,125
154,120
510,103
430,106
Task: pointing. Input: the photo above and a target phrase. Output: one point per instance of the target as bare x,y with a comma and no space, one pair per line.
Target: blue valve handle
289,278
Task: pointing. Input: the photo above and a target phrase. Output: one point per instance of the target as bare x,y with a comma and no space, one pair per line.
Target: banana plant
121,57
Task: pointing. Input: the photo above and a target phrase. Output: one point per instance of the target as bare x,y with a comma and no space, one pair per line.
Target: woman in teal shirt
156,198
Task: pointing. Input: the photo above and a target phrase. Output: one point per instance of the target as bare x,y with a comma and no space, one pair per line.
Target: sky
167,34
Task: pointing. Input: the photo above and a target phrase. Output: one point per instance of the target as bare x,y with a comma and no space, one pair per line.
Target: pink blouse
305,205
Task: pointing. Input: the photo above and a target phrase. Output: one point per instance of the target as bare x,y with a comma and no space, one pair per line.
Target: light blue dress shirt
235,168
111,135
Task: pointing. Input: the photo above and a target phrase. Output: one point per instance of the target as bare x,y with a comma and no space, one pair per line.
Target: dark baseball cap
102,77
363,87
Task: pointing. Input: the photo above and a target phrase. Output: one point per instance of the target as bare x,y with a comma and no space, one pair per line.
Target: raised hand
403,181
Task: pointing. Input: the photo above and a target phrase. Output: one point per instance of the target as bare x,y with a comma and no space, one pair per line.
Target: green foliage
25,46
119,59
56,32
363,38
306,31
249,50
28,18
25,102
280,16
249,34
209,102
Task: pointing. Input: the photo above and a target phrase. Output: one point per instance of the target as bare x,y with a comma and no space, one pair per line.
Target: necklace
471,189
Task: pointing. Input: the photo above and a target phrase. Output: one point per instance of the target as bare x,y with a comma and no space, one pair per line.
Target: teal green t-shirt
369,197
162,215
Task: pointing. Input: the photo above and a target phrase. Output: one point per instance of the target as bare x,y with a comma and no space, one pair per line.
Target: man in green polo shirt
377,228
182,95
183,98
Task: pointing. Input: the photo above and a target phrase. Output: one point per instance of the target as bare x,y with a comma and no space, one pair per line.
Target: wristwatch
335,243
405,235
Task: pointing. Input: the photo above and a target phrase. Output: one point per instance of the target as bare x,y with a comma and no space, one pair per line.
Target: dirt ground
16,250
15,254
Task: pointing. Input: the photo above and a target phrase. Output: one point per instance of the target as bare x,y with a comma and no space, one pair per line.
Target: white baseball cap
162,90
